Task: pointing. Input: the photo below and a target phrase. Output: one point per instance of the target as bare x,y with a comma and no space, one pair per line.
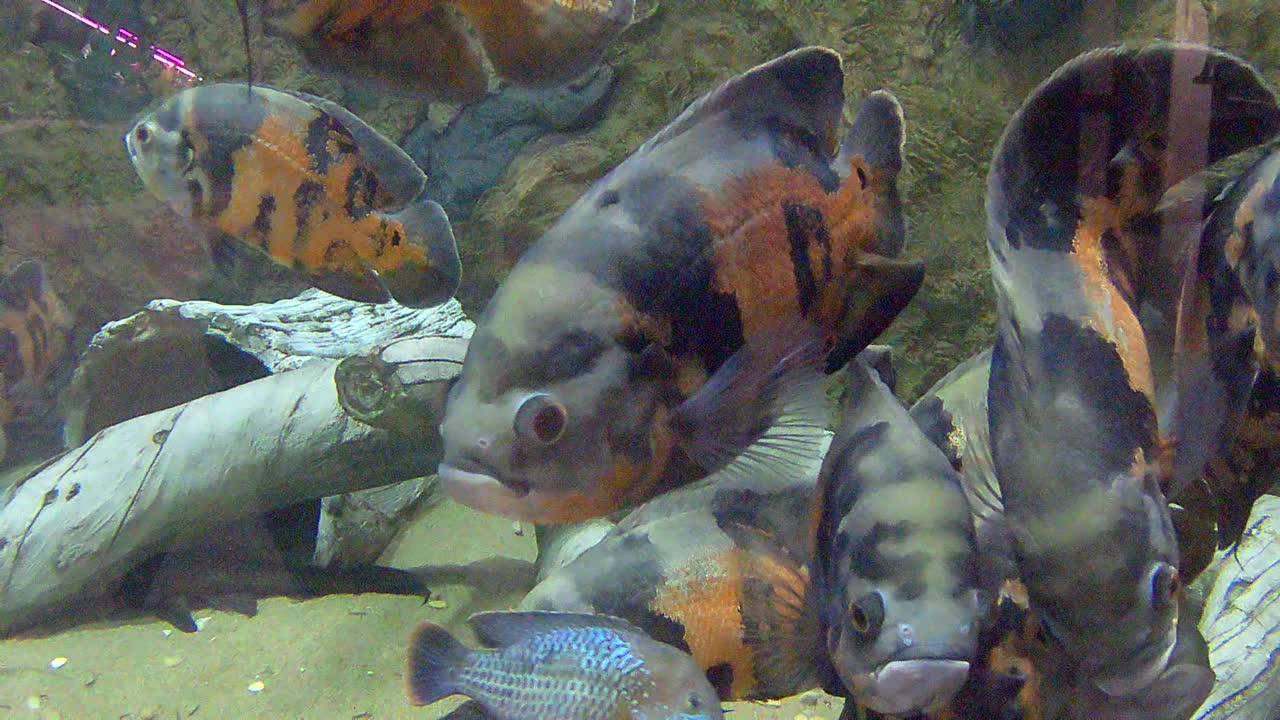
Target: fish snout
900,687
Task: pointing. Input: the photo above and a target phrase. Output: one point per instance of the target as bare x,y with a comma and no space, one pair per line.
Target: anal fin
779,614
355,283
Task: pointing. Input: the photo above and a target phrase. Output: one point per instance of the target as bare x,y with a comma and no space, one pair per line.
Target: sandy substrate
339,656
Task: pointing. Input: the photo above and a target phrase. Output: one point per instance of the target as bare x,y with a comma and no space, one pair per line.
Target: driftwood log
186,350
141,483
1241,622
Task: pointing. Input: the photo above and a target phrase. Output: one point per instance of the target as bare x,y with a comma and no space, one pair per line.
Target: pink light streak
159,54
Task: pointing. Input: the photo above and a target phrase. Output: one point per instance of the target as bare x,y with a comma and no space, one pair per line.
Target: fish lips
900,687
1137,673
479,488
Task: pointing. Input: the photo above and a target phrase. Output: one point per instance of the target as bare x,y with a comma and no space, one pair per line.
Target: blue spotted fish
569,666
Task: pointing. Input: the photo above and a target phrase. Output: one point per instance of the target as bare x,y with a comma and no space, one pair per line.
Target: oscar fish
718,570
35,329
304,181
600,374
425,47
1077,448
894,557
571,666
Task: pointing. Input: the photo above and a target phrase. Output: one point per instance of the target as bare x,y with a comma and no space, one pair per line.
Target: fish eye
1165,586
142,134
541,418
866,614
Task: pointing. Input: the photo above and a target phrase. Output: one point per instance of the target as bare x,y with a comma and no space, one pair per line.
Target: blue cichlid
568,666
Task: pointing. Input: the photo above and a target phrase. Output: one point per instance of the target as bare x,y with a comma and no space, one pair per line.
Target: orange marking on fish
1121,328
752,251
705,596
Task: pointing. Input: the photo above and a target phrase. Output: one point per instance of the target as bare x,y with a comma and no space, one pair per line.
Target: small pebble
166,633
437,603
517,528
809,699
33,702
57,662
172,661
257,686
201,622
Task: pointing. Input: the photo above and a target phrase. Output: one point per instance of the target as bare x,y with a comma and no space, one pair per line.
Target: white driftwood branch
79,523
1241,622
168,339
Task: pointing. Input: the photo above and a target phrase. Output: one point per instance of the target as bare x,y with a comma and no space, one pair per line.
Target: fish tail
434,277
434,655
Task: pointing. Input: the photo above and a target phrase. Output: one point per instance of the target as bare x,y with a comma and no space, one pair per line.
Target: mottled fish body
1075,440
649,338
304,181
564,665
718,570
895,559
424,47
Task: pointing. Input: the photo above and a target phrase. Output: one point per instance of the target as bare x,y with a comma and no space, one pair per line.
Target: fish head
680,689
902,640
1117,548
555,417
163,155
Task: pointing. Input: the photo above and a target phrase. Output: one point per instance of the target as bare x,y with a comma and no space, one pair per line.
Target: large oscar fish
424,46
304,181
1076,444
600,373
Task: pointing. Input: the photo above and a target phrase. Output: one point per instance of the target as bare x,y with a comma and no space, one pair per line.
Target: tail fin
436,279
877,137
434,654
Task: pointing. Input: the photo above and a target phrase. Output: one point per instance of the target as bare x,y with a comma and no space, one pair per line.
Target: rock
473,151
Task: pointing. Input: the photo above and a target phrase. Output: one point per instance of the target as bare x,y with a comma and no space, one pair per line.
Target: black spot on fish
805,223
317,142
196,192
721,678
396,238
336,246
964,568
865,558
360,191
11,365
913,587
607,198
305,198
266,210
862,178
228,121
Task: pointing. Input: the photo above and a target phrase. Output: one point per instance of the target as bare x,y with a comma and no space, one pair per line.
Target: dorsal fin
23,285
803,89
499,629
398,175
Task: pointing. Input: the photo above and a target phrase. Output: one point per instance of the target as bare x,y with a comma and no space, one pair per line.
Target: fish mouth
477,487
900,687
1135,674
